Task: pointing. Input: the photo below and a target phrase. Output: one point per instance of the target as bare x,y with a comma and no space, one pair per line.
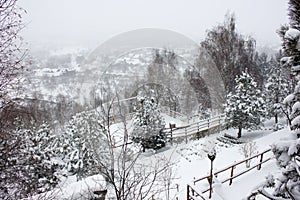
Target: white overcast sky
90,22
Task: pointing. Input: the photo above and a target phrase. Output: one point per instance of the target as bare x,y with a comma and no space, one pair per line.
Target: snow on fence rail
192,193
196,128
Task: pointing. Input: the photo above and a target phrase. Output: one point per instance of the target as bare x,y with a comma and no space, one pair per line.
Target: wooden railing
192,194
196,128
232,175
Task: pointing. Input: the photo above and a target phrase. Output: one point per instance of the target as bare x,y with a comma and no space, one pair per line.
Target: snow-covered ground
192,165
190,161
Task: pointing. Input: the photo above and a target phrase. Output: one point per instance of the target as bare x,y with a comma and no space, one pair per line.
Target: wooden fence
192,194
198,129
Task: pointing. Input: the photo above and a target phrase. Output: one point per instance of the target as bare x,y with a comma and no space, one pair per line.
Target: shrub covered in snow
84,143
148,124
247,150
86,188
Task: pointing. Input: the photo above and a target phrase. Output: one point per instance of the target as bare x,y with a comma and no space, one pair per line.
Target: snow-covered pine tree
294,14
13,155
287,152
43,159
36,167
84,143
290,38
276,89
203,112
246,107
148,124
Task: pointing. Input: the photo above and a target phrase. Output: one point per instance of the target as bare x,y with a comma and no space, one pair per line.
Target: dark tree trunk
239,132
276,101
276,118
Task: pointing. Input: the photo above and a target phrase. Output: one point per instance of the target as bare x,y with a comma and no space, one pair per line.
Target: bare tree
11,66
11,53
247,150
231,52
129,176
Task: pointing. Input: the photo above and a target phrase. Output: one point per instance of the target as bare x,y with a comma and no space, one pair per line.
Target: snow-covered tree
287,152
294,14
11,53
203,112
148,124
291,46
245,107
35,167
83,133
12,56
44,162
276,89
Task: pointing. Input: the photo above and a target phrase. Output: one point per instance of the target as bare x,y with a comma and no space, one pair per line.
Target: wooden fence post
208,123
220,124
261,159
171,137
185,130
188,192
231,175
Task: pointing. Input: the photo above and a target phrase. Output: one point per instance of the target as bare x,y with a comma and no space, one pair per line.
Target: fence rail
232,176
196,128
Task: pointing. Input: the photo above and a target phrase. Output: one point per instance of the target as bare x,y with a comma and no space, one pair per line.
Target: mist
91,22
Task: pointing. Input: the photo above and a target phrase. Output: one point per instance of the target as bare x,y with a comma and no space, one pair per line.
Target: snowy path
195,165
190,161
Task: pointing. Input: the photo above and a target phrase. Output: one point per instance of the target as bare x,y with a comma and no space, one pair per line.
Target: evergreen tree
276,88
44,162
148,124
291,58
245,107
287,152
35,167
294,14
84,143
